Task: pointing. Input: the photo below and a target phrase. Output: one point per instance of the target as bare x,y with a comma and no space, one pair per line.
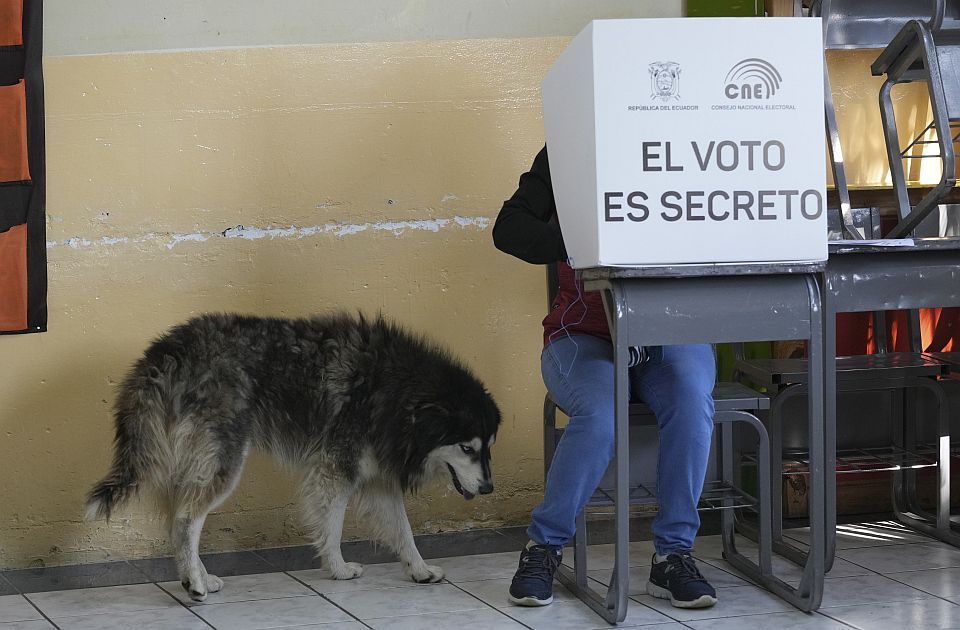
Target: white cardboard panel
712,128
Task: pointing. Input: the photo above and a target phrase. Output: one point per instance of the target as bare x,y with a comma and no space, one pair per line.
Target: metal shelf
716,496
931,450
861,460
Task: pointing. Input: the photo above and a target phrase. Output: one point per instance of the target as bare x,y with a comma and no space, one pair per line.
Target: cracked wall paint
251,233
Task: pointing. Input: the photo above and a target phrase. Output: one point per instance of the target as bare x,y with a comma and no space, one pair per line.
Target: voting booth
689,141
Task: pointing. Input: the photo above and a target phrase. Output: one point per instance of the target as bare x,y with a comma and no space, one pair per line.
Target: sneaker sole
529,601
704,601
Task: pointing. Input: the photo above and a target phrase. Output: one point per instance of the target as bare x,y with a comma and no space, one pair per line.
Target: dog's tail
139,417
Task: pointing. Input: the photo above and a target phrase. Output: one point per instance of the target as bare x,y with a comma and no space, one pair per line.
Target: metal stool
897,372
733,403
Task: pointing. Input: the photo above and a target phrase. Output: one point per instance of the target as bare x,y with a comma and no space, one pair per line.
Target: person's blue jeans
676,383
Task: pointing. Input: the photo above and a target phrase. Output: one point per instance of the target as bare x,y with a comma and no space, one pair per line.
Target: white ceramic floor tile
495,592
925,614
859,535
375,576
578,616
711,547
788,571
271,613
896,558
718,578
242,588
481,567
780,621
603,556
399,602
733,602
174,619
27,625
17,608
336,625
940,582
484,619
867,589
108,599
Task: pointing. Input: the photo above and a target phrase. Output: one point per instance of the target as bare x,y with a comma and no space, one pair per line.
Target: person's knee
691,405
595,430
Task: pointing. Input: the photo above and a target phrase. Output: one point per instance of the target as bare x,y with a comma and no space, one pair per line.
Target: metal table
716,304
914,273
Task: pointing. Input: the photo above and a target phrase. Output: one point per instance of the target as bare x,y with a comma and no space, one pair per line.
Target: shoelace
683,569
538,562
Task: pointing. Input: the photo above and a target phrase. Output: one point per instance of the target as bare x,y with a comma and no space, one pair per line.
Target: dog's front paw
346,571
196,590
214,584
425,574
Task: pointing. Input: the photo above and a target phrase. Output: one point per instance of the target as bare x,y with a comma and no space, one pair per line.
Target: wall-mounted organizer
23,254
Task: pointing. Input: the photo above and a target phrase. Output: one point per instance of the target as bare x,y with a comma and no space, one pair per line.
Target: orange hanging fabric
13,278
23,247
11,22
14,165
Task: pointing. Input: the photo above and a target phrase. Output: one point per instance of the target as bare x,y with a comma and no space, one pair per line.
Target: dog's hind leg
185,539
384,504
188,511
324,498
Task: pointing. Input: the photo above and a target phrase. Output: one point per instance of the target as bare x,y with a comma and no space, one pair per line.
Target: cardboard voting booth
675,141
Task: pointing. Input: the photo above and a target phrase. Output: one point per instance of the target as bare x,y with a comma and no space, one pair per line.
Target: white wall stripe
171,240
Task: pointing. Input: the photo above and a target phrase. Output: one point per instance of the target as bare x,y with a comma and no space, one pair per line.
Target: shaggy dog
359,408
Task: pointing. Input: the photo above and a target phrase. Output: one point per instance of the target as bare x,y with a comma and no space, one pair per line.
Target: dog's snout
486,487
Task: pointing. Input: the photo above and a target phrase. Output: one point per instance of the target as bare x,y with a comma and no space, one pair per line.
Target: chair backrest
851,24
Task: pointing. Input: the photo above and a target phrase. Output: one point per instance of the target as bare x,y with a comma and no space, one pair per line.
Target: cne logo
664,81
752,79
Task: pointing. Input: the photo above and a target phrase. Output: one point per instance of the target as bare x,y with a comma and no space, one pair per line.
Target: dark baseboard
302,557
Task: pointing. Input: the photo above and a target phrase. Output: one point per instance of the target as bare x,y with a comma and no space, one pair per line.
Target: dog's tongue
467,495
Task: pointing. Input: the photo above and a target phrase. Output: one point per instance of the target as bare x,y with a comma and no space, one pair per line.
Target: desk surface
685,271
908,245
836,249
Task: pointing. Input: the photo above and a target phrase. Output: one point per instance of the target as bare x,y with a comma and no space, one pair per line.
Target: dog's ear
429,427
425,411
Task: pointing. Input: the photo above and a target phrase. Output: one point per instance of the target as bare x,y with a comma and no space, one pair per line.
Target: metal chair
855,24
925,50
722,489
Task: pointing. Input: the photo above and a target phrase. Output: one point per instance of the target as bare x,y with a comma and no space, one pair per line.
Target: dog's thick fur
358,407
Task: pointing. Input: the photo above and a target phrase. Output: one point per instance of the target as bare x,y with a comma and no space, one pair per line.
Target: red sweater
574,310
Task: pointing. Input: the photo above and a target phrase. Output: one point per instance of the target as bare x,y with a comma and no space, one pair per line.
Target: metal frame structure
712,304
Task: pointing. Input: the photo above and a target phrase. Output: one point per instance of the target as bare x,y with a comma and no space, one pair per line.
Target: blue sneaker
533,582
678,579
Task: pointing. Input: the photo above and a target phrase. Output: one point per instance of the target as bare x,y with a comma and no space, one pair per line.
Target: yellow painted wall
364,176
379,169
855,96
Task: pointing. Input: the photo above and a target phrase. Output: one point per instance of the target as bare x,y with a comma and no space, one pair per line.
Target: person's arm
524,228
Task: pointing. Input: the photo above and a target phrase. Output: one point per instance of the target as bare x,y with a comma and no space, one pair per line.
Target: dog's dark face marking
469,430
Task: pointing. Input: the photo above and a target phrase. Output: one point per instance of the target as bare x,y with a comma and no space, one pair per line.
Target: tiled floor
884,578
